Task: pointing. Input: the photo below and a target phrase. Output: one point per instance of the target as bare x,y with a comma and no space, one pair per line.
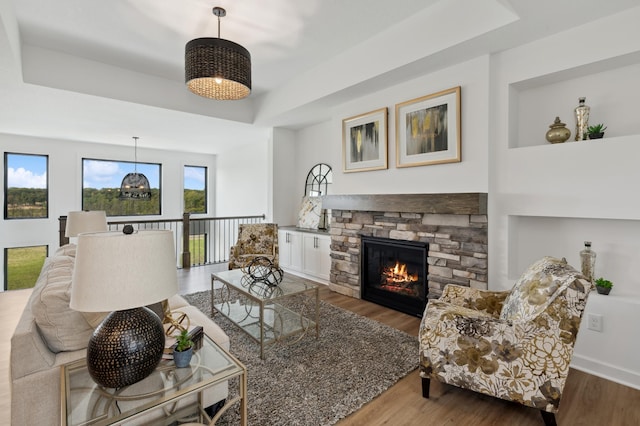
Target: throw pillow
538,286
62,328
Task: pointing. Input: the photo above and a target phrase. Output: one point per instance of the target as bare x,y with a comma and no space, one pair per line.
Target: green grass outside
197,249
23,266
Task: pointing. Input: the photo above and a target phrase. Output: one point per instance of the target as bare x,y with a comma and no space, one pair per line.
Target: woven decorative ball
262,269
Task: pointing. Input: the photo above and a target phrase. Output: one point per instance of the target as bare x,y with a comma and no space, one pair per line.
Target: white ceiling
105,71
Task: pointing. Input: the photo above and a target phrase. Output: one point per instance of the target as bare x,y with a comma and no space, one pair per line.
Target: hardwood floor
587,399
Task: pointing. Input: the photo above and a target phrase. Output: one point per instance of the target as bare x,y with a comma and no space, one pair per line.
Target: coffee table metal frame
261,312
209,366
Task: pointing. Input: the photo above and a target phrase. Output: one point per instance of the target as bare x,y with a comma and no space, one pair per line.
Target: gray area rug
318,382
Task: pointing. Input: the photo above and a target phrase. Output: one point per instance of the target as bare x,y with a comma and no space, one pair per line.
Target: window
22,266
195,189
26,186
101,181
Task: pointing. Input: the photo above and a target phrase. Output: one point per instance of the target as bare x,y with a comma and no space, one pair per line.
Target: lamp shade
115,271
216,68
85,221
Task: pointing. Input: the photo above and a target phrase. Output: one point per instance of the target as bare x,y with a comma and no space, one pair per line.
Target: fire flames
397,279
398,274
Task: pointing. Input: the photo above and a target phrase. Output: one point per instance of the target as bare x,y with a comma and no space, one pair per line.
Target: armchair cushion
537,288
255,239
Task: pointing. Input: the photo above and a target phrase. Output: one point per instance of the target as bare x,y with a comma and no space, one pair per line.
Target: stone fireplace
453,225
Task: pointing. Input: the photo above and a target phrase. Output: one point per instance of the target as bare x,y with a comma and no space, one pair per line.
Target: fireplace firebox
393,273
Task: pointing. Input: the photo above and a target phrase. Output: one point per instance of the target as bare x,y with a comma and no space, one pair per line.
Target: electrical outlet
594,322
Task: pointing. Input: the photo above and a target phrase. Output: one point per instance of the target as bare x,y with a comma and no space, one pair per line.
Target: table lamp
85,221
122,273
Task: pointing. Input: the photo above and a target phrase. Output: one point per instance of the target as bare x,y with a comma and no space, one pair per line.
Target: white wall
471,175
322,143
543,199
549,199
242,180
65,187
284,202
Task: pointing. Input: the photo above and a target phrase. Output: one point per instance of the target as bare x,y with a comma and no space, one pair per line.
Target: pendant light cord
135,155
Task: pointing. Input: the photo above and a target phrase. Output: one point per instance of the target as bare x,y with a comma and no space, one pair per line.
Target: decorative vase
558,132
603,290
588,261
582,119
182,358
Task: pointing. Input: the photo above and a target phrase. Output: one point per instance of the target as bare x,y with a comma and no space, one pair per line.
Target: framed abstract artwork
364,141
428,129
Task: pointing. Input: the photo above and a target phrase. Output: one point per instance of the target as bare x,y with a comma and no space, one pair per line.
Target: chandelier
135,185
216,68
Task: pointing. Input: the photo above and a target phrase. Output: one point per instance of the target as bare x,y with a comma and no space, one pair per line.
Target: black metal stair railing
199,241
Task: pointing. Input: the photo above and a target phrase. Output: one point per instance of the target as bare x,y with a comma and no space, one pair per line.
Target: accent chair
254,239
515,345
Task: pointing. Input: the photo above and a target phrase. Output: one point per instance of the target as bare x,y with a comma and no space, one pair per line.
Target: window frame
136,163
6,185
6,263
206,188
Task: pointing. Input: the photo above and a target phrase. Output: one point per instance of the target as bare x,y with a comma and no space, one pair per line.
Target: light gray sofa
50,334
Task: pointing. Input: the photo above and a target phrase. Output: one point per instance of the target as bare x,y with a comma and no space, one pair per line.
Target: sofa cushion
66,250
538,286
62,328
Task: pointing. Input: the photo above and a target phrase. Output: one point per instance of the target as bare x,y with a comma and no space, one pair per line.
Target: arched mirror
318,180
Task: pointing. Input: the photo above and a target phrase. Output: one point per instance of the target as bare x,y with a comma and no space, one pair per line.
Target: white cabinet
290,250
316,256
305,253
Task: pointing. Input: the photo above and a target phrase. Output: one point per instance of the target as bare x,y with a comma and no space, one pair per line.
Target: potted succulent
184,349
597,131
603,286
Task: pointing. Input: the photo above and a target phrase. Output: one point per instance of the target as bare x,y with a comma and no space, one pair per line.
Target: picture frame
428,129
364,141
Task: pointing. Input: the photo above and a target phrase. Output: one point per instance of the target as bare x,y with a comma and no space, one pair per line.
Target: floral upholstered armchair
515,345
254,239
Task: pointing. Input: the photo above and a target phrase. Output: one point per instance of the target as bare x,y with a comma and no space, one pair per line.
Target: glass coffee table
176,391
269,314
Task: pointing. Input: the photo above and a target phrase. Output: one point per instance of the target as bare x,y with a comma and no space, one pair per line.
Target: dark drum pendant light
135,186
216,68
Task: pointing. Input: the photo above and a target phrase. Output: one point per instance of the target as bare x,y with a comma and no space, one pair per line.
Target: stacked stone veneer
457,246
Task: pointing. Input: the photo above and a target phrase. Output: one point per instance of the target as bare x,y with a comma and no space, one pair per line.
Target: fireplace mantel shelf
446,203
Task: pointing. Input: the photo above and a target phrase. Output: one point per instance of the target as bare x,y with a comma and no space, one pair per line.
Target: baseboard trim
606,371
303,275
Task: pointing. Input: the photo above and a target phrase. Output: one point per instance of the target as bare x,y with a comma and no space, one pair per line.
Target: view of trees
194,201
107,199
26,203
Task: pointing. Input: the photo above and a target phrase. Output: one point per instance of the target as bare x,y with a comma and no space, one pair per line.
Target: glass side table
173,393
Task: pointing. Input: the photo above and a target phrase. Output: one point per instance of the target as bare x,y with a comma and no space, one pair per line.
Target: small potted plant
597,131
603,286
184,349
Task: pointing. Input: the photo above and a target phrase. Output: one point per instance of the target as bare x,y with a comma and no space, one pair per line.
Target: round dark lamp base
125,348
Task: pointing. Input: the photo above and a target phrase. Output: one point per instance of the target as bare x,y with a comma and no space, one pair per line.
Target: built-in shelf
534,103
616,243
